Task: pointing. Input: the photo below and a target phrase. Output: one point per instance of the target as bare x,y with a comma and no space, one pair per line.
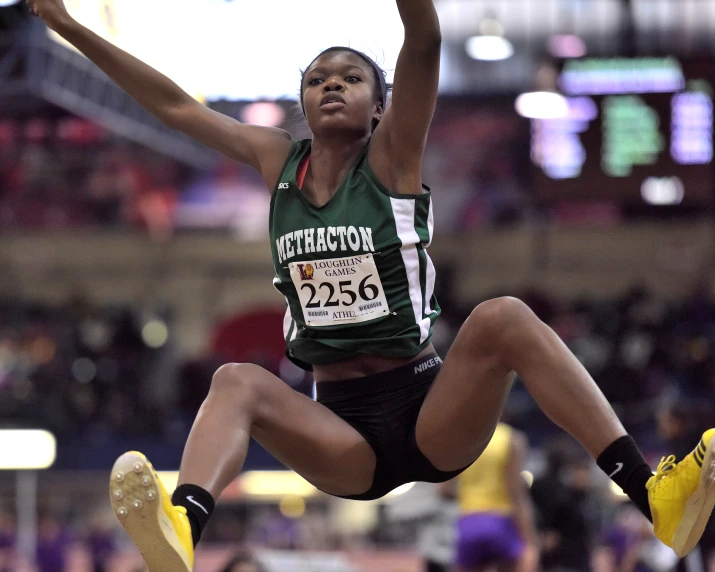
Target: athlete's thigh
464,404
312,440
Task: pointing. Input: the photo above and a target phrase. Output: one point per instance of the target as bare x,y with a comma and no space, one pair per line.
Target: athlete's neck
330,162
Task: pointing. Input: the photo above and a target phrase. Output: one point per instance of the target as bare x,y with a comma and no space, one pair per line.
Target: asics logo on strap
619,466
191,500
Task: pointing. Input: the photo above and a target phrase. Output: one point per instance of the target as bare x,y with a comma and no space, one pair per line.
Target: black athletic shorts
384,408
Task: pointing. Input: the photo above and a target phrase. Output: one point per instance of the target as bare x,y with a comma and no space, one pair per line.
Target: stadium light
292,506
490,45
26,449
616,491
663,191
566,46
275,484
489,48
264,113
155,333
401,490
542,105
264,484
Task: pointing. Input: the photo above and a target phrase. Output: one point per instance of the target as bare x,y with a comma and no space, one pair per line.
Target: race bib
339,290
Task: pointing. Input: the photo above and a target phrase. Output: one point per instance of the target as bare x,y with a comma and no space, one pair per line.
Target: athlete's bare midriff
362,366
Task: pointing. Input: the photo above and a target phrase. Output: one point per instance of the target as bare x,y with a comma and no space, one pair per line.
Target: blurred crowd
93,373
60,171
583,524
640,349
80,369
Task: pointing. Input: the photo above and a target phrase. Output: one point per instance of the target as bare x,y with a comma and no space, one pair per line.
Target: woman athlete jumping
349,225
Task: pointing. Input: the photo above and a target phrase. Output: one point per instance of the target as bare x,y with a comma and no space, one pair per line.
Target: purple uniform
484,539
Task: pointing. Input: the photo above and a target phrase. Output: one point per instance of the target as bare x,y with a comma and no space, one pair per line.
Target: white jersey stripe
289,325
404,212
287,319
411,260
430,227
429,284
425,324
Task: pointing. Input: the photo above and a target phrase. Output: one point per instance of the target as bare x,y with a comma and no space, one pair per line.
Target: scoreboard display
637,131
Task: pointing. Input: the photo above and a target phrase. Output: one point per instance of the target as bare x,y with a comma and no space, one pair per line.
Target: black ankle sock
624,463
199,506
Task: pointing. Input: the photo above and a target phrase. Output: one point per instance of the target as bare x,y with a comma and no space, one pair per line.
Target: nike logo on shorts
191,500
619,466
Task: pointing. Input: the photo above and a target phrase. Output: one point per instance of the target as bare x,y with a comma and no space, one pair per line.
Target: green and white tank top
355,272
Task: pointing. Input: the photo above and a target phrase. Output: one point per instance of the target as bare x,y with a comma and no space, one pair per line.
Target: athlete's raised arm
260,147
402,133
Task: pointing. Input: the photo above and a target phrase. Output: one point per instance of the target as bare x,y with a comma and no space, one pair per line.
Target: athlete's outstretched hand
52,12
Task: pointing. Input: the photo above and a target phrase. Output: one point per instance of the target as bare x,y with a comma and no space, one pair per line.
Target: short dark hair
379,75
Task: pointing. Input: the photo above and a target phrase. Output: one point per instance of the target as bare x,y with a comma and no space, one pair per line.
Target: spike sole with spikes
135,494
700,504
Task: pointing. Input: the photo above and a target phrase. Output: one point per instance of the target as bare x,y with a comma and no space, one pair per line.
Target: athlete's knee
496,323
237,382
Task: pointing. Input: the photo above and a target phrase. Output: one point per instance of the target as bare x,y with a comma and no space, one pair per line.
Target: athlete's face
339,92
